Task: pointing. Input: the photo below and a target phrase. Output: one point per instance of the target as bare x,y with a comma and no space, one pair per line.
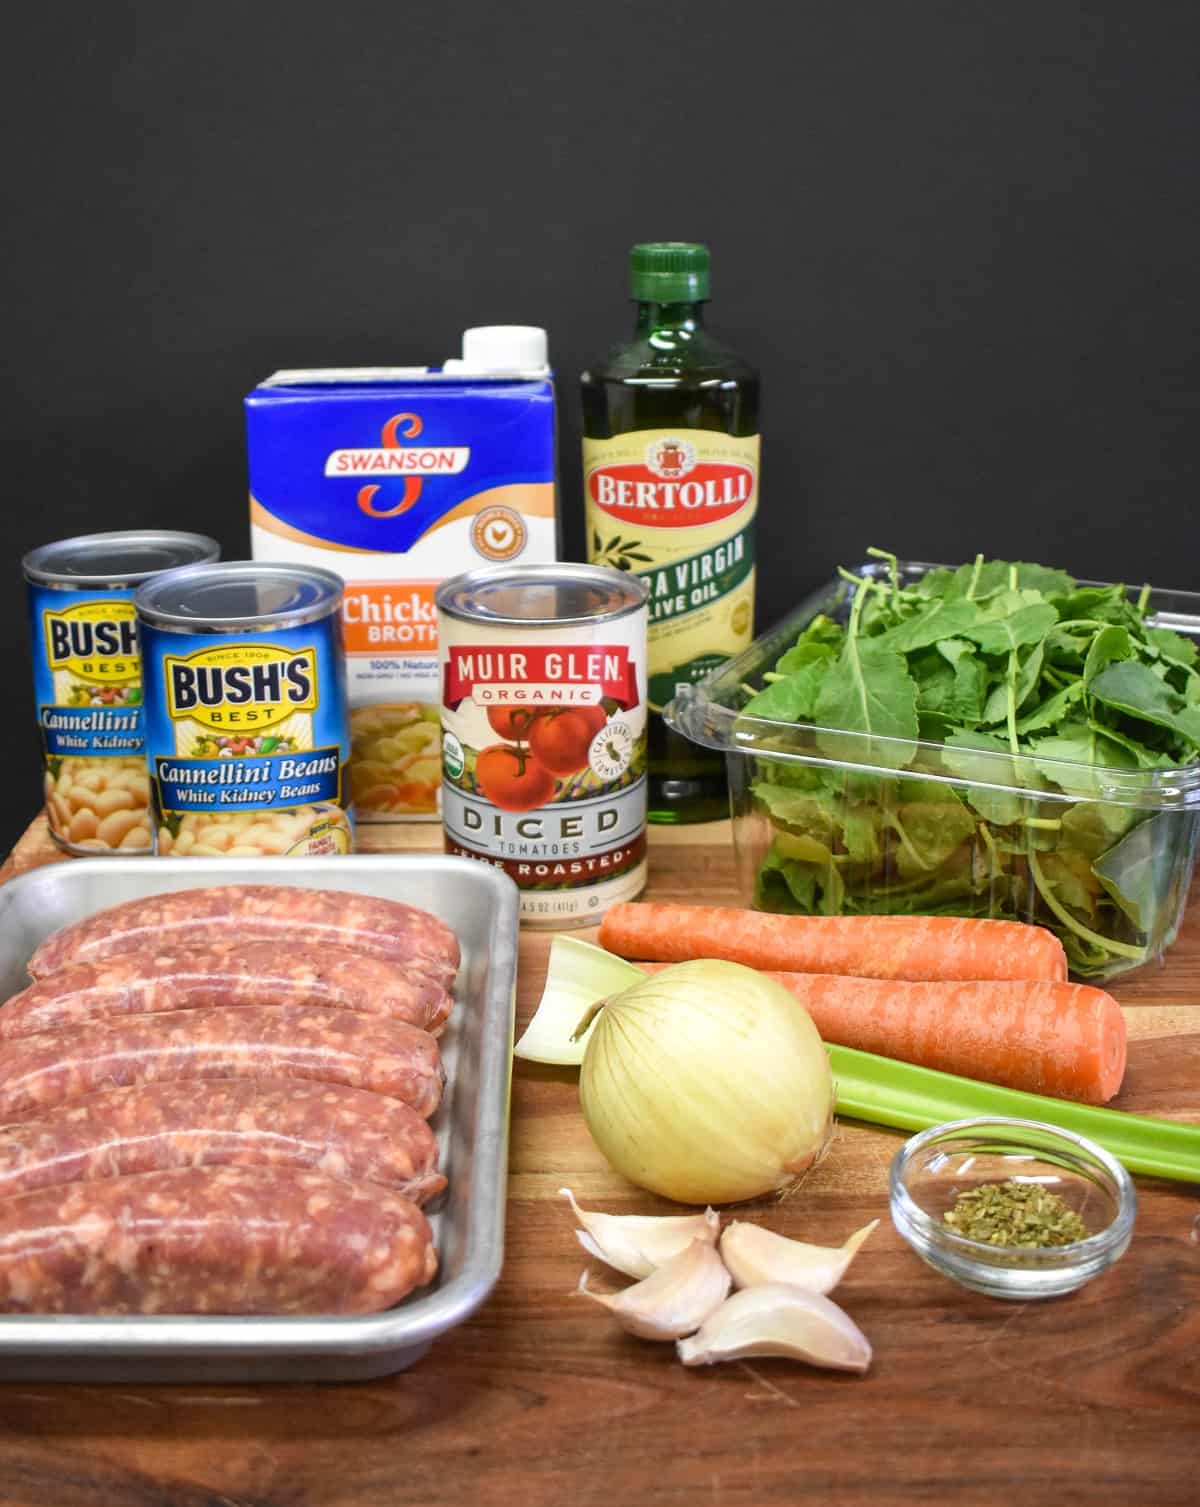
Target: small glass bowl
933,1168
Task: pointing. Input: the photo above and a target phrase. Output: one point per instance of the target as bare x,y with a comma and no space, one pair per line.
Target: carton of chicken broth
395,479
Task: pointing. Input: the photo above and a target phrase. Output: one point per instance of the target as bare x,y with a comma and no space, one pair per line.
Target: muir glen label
676,507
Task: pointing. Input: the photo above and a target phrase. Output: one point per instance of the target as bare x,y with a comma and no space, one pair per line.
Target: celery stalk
883,1091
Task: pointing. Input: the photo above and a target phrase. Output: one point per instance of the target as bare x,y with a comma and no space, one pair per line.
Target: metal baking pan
480,903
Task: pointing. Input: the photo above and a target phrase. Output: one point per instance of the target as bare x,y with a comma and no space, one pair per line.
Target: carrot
1065,1040
882,947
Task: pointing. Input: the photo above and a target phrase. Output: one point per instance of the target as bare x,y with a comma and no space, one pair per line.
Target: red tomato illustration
511,779
511,721
560,740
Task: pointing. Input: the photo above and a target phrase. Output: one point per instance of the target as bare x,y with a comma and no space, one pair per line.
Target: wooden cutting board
540,1401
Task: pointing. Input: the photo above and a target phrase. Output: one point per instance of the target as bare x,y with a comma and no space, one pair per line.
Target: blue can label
248,741
87,676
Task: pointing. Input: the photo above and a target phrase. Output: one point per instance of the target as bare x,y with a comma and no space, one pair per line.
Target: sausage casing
329,1046
319,1127
258,913
226,1240
252,973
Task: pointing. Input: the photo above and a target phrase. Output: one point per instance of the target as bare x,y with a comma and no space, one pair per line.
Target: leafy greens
1033,702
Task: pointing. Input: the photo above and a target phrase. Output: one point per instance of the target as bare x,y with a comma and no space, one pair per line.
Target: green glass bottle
670,463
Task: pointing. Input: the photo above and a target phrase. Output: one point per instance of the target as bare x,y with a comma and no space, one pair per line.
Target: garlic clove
778,1320
675,1300
755,1256
638,1244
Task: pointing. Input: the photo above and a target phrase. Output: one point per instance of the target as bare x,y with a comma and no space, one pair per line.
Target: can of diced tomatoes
543,686
87,678
247,725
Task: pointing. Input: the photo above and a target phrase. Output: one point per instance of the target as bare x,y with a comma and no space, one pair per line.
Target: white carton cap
492,348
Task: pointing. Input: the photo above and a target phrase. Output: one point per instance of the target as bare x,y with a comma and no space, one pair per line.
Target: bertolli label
677,507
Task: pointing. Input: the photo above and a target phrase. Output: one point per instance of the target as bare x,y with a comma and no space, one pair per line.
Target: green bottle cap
669,272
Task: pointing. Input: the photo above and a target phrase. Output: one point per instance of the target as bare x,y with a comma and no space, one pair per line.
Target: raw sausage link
254,913
256,973
227,1240
322,1127
330,1046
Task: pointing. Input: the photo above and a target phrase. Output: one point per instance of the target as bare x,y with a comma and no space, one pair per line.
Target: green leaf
1134,688
1082,744
948,697
996,709
1052,710
953,649
1141,756
802,874
1027,625
941,620
805,652
1043,578
993,576
961,757
1109,645
799,809
792,699
930,830
822,630
1109,604
1093,826
860,833
1070,876
785,887
1141,873
1173,646
868,692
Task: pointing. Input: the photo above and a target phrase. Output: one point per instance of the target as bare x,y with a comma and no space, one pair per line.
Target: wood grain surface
540,1401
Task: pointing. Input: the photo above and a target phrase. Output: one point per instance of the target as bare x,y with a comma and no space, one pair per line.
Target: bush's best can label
87,674
247,727
543,685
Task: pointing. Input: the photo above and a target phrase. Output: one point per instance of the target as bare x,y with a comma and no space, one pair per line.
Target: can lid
238,595
124,557
541,595
670,272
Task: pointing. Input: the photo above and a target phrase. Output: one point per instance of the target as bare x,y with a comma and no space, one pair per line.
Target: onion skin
706,1084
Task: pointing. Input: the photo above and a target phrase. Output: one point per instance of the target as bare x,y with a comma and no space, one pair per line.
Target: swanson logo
412,462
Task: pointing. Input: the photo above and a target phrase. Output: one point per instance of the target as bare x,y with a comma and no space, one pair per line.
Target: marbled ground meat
228,1240
210,977
328,1046
320,1127
259,912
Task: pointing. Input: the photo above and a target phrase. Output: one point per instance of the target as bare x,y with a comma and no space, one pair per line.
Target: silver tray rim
409,1328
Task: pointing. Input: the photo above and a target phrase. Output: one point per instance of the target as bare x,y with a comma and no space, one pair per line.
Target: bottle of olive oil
670,462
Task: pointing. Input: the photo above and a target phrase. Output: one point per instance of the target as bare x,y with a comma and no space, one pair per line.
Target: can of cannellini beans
247,726
543,685
87,677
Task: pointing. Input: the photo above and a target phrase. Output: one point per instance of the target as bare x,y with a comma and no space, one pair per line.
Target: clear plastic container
831,822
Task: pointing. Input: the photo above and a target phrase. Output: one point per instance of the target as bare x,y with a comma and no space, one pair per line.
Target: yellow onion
707,1083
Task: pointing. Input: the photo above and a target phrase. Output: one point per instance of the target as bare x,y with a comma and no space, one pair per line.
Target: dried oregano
1013,1213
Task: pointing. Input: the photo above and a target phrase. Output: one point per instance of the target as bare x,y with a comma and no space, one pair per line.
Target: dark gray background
960,240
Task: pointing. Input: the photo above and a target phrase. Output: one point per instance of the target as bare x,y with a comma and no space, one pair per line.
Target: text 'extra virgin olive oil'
670,462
